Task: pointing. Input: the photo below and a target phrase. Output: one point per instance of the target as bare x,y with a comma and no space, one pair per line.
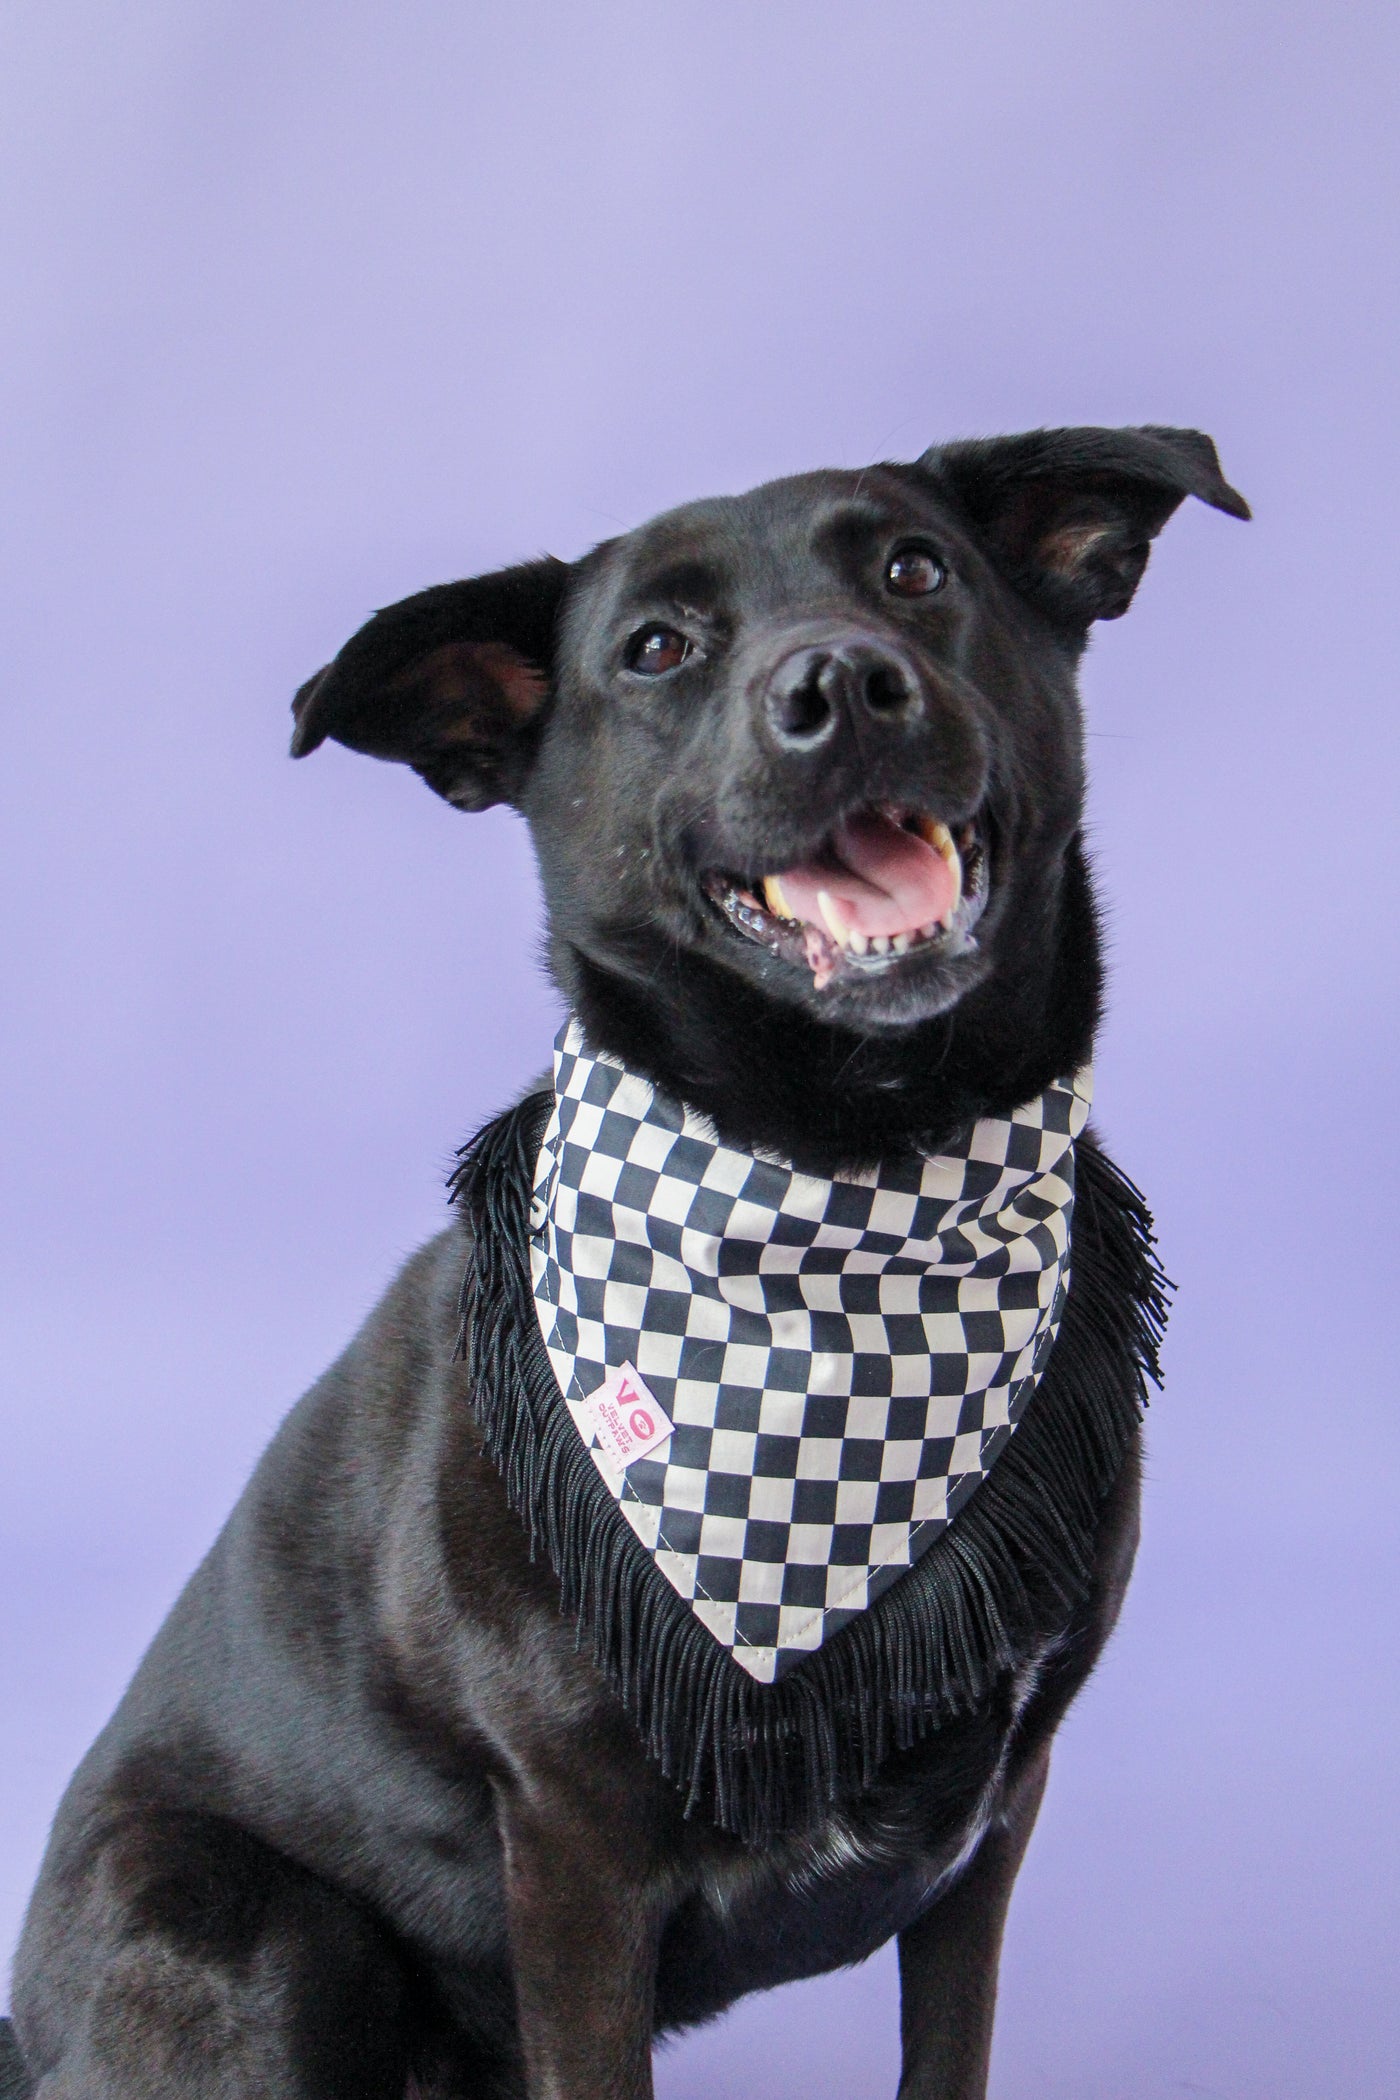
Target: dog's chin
899,998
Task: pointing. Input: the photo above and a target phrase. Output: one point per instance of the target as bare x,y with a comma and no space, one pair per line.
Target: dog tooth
860,943
926,933
836,925
881,944
954,860
901,943
942,841
773,895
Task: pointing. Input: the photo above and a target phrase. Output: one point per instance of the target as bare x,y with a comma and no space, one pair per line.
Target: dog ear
451,682
1069,515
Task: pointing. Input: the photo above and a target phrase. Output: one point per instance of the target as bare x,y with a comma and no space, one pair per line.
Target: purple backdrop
306,308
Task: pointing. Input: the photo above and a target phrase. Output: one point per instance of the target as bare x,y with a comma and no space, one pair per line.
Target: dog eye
653,650
914,571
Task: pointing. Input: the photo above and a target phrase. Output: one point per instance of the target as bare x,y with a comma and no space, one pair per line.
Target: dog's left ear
1069,515
451,682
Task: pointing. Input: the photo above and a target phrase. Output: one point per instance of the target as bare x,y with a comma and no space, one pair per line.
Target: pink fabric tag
628,1422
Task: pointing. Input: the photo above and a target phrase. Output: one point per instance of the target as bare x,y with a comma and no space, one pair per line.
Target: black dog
370,1821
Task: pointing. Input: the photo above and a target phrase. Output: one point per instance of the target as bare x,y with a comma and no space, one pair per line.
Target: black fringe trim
762,1759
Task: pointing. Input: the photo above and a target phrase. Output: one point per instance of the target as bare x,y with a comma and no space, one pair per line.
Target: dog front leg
584,1923
948,1959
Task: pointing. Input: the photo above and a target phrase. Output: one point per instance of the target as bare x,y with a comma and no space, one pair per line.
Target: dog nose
813,689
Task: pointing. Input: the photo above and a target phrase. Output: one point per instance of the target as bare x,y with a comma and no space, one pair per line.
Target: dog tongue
880,877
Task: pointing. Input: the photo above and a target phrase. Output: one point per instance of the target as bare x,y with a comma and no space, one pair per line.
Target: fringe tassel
763,1759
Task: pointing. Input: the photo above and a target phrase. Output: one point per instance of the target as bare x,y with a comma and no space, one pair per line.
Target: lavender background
306,308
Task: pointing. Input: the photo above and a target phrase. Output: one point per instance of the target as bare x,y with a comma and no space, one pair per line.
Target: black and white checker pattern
842,1360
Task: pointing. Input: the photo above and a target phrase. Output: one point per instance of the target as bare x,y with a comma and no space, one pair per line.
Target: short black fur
375,1818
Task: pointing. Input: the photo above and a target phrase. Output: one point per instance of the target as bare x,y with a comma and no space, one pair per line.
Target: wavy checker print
843,1360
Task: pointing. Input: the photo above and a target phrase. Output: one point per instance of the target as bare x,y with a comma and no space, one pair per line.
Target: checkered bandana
816,1374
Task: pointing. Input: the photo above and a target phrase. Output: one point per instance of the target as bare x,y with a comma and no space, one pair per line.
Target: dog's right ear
451,682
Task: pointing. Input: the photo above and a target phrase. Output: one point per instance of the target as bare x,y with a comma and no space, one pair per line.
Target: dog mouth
888,888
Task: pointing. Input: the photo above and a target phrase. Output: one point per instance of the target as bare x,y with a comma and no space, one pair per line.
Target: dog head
803,769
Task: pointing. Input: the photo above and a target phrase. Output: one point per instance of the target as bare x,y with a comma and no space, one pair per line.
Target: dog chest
811,1904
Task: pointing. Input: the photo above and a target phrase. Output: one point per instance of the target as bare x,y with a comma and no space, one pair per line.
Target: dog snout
818,690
